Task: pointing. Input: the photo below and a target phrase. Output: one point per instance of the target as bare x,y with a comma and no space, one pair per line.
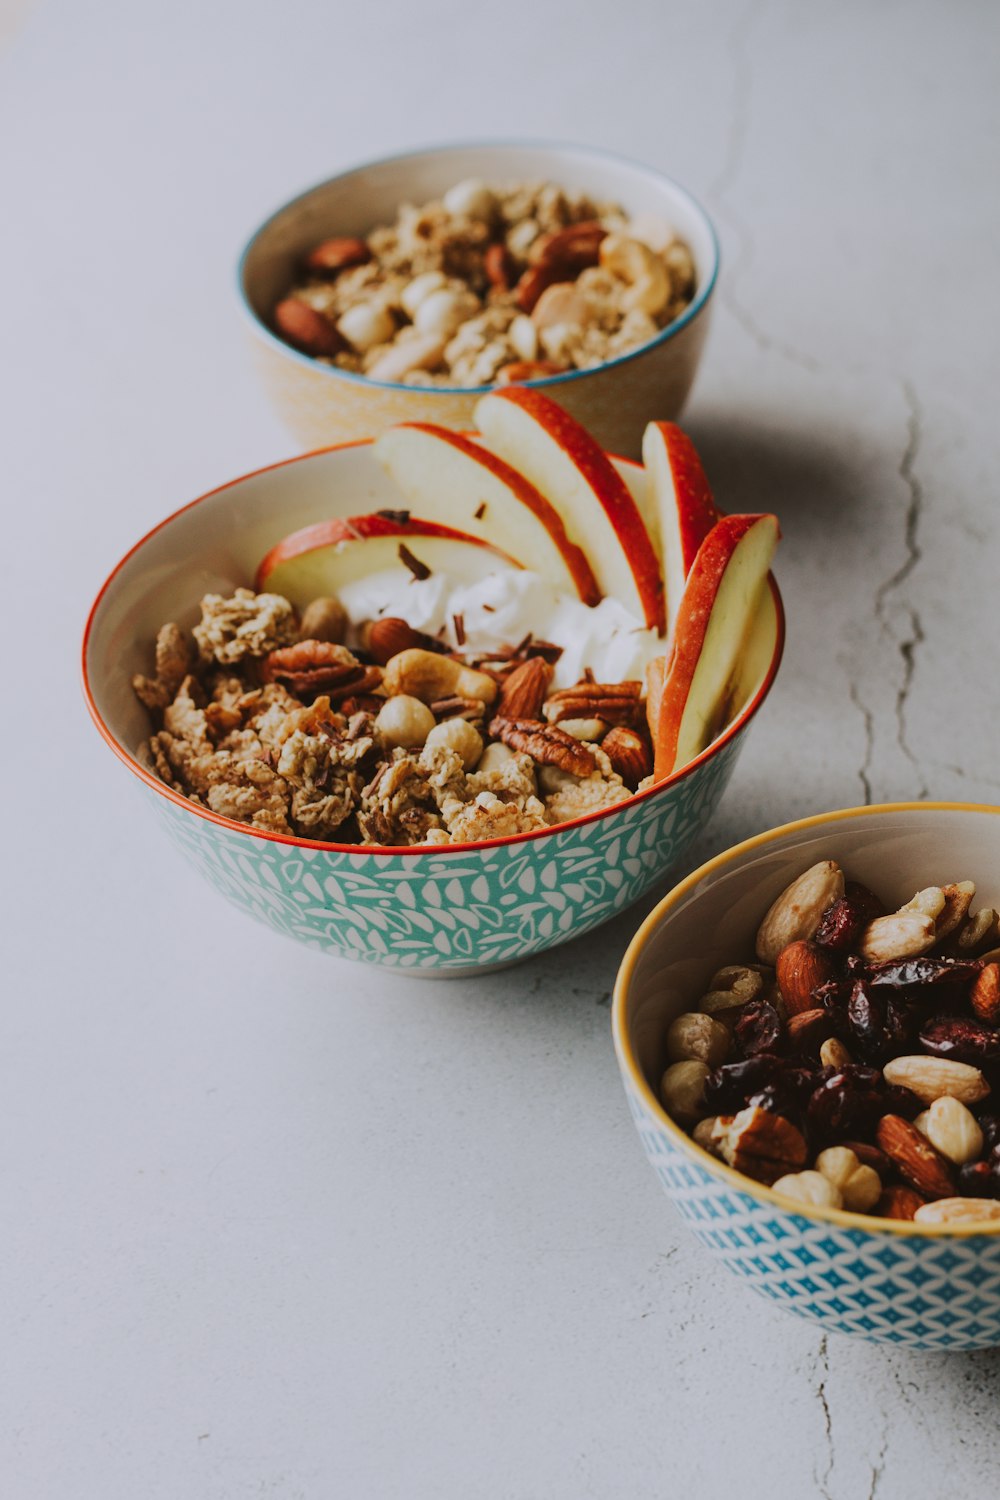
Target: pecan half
319,666
760,1143
545,744
523,691
614,702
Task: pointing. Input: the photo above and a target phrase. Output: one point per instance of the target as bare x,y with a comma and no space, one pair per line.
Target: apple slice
717,607
324,558
448,478
681,502
561,458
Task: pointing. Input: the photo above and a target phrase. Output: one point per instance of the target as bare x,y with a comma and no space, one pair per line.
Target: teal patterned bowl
447,911
922,1286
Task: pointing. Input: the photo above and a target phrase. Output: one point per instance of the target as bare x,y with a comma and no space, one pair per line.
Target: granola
457,291
289,757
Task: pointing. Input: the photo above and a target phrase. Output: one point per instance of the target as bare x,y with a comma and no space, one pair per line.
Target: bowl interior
214,546
714,920
358,201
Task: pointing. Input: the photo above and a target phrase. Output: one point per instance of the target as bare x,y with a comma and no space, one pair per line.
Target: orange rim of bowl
629,1063
437,850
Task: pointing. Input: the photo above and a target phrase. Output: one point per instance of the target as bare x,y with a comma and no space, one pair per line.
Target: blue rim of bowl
699,301
759,1193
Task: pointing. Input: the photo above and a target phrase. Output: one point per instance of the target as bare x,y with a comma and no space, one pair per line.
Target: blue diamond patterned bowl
445,911
923,1286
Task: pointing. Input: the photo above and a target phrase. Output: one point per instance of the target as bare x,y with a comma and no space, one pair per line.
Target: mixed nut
489,285
272,720
852,1063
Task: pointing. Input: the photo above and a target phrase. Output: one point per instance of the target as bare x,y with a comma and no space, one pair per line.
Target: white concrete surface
277,1226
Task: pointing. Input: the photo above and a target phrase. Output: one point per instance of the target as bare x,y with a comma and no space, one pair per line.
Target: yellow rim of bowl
702,1158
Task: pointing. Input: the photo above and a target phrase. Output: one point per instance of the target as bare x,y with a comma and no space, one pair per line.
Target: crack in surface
911,642
823,1361
878,1467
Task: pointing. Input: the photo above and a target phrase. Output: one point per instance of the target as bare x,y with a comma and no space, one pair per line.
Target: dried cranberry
790,1091
758,1029
868,1029
918,973
900,1101
979,1179
847,1103
729,1087
990,1126
843,922
962,1039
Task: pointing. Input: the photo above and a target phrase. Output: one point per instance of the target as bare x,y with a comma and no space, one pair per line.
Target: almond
629,754
800,968
523,691
337,254
388,636
985,997
807,1028
307,328
914,1158
931,1078
899,1203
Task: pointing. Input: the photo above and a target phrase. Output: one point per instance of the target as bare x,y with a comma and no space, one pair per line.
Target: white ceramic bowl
447,910
922,1285
322,404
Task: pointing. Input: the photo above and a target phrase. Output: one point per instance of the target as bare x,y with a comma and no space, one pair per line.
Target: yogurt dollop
501,608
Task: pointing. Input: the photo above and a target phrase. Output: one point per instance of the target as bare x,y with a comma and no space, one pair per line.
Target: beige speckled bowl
322,404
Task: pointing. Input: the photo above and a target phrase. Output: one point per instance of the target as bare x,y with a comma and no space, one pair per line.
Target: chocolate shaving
419,569
401,516
459,623
481,511
489,608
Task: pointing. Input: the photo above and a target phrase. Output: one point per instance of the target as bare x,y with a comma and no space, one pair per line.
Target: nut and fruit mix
489,284
856,1063
268,718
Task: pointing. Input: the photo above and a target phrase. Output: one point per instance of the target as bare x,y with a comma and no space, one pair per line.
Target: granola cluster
489,285
311,738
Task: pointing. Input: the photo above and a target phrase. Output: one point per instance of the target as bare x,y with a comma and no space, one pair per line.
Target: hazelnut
696,1036
682,1091
461,737
325,619
809,1187
860,1187
404,721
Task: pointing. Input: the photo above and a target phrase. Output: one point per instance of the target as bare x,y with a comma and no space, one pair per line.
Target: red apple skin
378,523
574,557
691,628
697,511
611,489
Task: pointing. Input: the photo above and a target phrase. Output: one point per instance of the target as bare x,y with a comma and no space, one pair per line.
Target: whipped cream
501,608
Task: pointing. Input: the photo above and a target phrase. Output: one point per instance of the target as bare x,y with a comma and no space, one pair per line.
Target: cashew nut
428,676
643,270
471,198
444,311
423,352
420,287
366,325
523,337
560,303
